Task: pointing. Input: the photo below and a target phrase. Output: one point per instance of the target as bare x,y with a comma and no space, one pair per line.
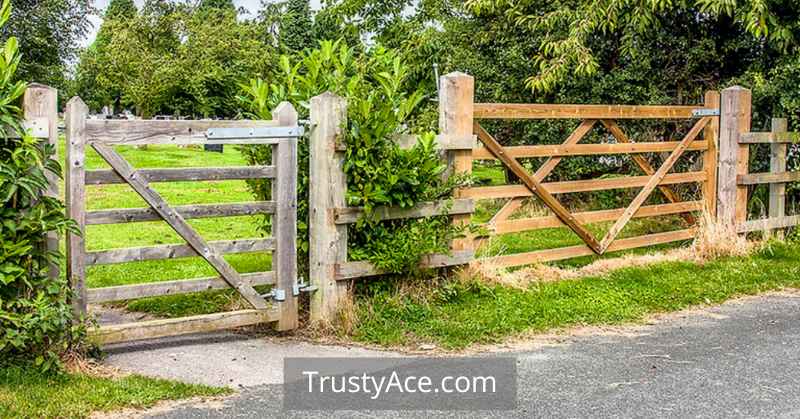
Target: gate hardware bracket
705,112
303,287
276,294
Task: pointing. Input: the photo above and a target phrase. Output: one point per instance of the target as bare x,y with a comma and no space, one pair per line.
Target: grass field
25,393
180,193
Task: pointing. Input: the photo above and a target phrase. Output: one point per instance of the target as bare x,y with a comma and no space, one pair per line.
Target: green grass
26,393
102,237
465,313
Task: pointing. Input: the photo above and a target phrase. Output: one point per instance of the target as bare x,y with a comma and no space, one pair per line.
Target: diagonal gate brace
536,188
179,224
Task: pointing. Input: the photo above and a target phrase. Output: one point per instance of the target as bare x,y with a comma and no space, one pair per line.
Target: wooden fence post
284,193
735,113
777,164
327,189
456,103
75,119
40,106
711,136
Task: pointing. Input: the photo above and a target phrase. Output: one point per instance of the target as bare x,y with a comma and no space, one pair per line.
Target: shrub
35,315
380,106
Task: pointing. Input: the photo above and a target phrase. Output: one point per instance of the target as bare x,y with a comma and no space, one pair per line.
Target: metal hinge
705,112
280,295
303,287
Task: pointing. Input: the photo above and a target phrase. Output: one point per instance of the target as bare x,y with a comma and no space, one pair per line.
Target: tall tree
296,30
49,34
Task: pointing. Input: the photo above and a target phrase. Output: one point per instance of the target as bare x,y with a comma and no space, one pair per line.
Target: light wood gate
280,305
701,137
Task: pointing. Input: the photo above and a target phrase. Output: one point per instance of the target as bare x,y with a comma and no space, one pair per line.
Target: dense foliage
380,103
35,314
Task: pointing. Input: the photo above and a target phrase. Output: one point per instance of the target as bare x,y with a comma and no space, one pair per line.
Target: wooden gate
280,305
706,126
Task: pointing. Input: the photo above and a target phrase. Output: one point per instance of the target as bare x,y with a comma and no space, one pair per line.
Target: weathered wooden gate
280,305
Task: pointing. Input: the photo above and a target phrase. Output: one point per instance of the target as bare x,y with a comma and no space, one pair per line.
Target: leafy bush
380,105
35,315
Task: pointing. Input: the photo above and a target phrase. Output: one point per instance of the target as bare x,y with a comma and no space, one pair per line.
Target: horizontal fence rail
551,111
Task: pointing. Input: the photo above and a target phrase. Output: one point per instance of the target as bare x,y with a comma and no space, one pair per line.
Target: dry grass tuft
713,241
79,364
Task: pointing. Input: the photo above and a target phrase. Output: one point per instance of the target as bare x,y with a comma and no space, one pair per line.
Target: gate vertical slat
777,164
285,223
76,115
711,136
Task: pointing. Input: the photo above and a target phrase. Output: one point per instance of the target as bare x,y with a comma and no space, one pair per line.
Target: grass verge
466,312
26,393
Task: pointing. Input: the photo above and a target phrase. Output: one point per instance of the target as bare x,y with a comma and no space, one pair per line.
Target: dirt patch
212,403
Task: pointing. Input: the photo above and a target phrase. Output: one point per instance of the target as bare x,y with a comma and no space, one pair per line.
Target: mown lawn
26,393
470,312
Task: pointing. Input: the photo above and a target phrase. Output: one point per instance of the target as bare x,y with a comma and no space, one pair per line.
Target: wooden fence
102,135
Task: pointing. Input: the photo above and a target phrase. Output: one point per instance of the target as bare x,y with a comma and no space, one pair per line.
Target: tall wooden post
40,107
327,189
735,114
456,103
777,164
284,192
711,137
75,118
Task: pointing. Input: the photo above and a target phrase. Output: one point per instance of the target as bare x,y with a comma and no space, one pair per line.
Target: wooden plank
284,259
553,111
531,183
181,326
327,189
184,286
510,191
766,224
768,178
75,121
769,137
179,224
360,269
545,169
588,149
562,253
651,185
40,107
350,215
643,164
777,164
133,215
735,117
456,98
140,132
173,251
526,224
711,137
104,177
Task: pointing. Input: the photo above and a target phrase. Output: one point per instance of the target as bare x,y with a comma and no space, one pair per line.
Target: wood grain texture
132,215
40,107
140,132
350,215
588,149
777,164
766,224
735,113
360,269
551,111
651,185
174,251
327,189
179,225
535,187
183,286
768,178
710,156
284,261
75,123
456,98
173,327
769,137
189,174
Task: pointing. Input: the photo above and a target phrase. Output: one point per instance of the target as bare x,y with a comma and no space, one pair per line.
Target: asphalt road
741,359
